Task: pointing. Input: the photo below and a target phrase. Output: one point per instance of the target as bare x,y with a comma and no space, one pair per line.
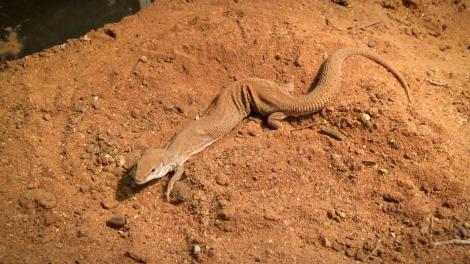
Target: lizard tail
330,80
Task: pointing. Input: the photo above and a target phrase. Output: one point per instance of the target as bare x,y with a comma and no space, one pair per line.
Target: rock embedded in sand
364,118
227,214
179,193
221,180
383,171
109,203
372,43
393,197
325,242
369,162
350,252
41,197
271,215
196,249
47,117
336,246
360,255
341,2
116,221
143,59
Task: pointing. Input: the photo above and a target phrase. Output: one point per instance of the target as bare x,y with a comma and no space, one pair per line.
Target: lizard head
153,164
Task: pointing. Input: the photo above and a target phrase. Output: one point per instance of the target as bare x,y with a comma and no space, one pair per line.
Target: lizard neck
176,157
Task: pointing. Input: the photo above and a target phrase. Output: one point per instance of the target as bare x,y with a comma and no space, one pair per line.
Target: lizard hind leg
274,119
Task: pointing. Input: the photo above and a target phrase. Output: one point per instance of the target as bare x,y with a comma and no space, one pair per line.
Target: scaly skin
237,102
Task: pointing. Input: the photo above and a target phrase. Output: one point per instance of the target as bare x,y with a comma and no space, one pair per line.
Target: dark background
44,23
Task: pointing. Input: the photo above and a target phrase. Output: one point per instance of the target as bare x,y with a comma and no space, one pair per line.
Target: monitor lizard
239,100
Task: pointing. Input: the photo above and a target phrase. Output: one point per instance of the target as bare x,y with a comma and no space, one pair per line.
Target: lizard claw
168,195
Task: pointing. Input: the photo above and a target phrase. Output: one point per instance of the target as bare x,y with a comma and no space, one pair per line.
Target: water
28,26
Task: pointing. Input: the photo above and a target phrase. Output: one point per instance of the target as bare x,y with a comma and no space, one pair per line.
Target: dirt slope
75,117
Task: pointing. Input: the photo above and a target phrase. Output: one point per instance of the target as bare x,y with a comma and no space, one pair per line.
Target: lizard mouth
139,182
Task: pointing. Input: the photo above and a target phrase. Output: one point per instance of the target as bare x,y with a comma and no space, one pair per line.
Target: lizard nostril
153,170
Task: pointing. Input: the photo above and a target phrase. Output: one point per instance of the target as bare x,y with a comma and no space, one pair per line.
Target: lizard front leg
176,177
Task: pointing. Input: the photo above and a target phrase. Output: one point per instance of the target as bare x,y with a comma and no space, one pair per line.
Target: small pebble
325,242
332,215
143,59
424,230
116,221
393,197
408,156
271,215
50,219
383,172
180,109
336,246
360,255
374,112
298,62
371,43
394,144
109,203
333,133
196,249
350,252
47,117
340,213
222,180
369,162
134,113
227,214
85,156
110,32
168,108
364,118
341,2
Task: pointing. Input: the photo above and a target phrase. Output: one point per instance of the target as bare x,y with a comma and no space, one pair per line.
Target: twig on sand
377,246
302,128
333,133
452,242
435,82
366,26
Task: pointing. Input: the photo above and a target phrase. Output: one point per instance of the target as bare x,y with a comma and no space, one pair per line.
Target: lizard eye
153,170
